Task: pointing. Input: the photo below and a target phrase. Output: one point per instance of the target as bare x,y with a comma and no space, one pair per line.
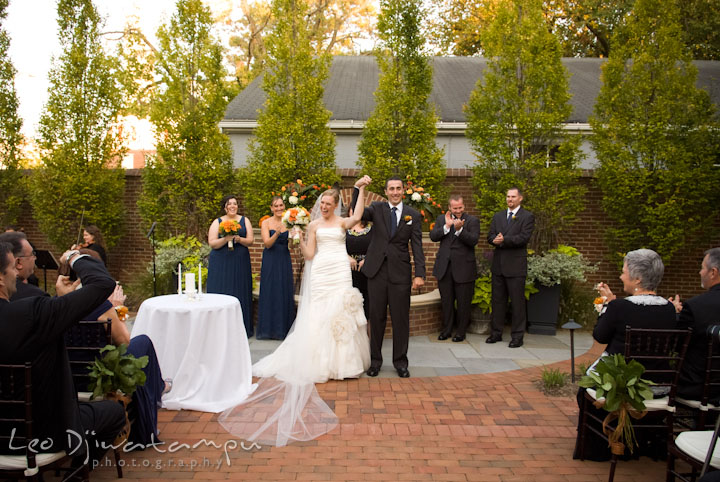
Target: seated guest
698,313
32,329
147,398
641,274
24,264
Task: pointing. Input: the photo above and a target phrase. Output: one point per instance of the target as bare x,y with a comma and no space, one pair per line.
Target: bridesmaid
229,271
276,307
357,242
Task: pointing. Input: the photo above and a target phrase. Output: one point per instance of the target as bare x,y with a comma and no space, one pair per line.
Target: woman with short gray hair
641,274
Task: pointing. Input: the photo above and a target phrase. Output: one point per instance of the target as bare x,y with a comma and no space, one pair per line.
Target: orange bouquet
229,228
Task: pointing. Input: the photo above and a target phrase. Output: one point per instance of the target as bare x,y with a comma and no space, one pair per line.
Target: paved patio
470,412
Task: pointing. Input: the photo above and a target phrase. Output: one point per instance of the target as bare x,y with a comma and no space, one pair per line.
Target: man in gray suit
510,232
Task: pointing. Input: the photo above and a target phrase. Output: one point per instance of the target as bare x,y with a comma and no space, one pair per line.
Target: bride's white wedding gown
327,341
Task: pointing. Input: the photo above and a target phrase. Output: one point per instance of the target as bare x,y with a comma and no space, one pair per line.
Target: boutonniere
408,218
513,217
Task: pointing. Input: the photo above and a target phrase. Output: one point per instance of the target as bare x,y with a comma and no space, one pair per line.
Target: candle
189,282
179,278
199,277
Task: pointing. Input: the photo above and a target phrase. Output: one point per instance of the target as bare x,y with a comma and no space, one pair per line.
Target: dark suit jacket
510,258
26,290
32,329
698,313
394,250
456,251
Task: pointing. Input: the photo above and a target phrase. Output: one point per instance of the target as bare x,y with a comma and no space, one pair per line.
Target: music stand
45,260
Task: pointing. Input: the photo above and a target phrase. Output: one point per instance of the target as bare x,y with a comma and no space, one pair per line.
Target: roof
349,91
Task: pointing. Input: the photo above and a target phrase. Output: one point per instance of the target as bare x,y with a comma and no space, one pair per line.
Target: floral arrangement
296,219
299,194
599,301
564,263
122,312
229,228
416,197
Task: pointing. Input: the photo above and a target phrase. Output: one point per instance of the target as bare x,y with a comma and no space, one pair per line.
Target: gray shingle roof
353,80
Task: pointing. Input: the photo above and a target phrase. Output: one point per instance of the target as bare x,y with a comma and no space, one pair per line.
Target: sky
32,27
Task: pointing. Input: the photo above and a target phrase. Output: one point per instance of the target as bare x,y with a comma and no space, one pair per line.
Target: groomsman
510,232
455,267
387,267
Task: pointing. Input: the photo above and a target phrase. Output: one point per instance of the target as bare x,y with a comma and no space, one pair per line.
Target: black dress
100,250
357,243
644,311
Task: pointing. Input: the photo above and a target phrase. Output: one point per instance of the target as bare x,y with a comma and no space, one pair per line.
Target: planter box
479,321
543,308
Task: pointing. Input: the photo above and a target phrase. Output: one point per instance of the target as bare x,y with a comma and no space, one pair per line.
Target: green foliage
619,383
576,302
184,183
399,137
80,137
117,370
296,194
11,178
556,266
184,249
292,140
483,293
553,378
656,138
515,117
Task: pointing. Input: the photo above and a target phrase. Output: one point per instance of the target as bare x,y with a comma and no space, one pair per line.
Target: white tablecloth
202,346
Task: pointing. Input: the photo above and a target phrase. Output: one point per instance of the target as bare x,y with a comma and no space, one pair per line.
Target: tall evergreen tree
193,169
81,142
655,136
399,136
11,178
292,140
515,117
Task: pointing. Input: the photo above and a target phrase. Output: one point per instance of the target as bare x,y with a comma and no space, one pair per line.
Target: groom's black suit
387,267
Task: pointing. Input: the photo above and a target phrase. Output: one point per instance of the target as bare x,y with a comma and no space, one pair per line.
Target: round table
202,345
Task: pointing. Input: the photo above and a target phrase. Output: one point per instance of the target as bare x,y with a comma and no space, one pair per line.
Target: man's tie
393,221
509,217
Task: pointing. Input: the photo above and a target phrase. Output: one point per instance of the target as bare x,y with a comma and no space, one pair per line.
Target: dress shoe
443,336
403,372
373,372
493,339
516,343
458,338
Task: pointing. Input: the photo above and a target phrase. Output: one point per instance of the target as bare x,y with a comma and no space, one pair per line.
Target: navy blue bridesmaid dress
230,273
276,307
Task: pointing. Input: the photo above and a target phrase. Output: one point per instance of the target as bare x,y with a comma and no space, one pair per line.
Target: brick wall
134,252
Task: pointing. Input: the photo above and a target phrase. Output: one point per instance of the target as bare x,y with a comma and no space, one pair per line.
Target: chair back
16,408
661,352
711,385
83,342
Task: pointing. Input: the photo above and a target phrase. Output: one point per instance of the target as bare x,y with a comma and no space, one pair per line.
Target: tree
334,27
399,136
80,138
184,183
515,117
655,136
292,140
11,178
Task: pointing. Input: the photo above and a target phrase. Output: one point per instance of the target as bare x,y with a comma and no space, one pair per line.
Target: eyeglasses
33,254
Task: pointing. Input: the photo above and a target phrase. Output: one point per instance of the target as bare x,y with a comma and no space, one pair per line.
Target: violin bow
80,228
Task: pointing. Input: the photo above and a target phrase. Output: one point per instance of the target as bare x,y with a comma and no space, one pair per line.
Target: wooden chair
662,353
693,446
83,342
16,423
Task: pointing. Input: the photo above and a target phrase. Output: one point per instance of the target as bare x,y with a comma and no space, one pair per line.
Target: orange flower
420,189
299,181
263,219
599,300
284,188
409,191
294,193
302,198
422,211
432,226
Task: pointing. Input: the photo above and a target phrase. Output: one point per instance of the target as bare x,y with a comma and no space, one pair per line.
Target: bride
327,341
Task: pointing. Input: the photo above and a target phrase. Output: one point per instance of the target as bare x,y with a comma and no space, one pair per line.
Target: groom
387,267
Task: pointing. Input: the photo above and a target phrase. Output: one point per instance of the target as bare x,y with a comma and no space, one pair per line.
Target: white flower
293,199
416,197
352,300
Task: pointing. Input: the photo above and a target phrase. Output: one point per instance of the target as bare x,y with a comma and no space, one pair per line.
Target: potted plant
620,391
116,374
547,271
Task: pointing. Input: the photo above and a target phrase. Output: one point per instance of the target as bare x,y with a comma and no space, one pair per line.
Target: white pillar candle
179,278
199,277
189,282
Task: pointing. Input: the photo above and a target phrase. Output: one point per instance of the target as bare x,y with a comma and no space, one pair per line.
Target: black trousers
450,292
102,421
397,296
514,287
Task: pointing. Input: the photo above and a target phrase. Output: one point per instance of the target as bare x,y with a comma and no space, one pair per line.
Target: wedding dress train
327,341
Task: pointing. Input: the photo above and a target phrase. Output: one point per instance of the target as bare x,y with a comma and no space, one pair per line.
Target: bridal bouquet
600,301
296,219
229,228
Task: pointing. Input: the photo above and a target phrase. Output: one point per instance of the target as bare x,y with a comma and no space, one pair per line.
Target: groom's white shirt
399,211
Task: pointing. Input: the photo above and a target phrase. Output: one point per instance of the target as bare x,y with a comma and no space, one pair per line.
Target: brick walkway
487,427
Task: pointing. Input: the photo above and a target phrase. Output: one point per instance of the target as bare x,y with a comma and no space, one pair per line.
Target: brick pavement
487,427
